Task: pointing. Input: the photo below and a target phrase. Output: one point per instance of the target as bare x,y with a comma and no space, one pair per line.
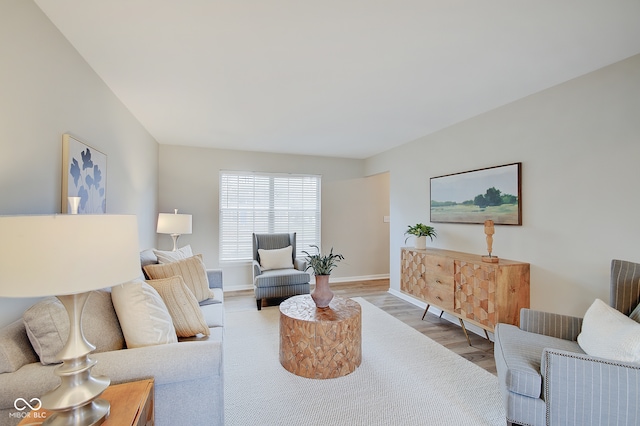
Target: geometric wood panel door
475,292
413,270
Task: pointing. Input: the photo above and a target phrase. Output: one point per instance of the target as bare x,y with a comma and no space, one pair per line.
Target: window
267,203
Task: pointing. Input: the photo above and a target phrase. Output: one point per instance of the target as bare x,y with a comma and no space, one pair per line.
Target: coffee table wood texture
131,404
320,343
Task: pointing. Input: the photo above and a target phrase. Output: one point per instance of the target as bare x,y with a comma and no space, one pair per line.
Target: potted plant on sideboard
322,266
421,232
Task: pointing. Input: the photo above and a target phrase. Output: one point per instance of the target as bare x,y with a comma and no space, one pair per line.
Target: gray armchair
278,282
546,379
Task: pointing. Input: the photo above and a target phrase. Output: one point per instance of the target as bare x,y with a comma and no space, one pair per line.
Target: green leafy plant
420,230
322,264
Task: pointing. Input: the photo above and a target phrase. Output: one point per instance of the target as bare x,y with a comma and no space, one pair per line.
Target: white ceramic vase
421,242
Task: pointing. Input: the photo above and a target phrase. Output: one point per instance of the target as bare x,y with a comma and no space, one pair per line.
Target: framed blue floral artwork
84,175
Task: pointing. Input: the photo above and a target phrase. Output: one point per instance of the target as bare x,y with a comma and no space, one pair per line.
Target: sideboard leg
465,331
425,311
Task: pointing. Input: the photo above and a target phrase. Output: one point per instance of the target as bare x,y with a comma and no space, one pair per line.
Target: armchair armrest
554,325
580,389
257,270
300,264
215,278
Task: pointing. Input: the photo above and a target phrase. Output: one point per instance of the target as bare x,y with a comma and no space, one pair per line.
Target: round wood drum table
320,343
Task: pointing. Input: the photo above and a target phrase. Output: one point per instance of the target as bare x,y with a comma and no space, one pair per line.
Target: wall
352,206
579,147
48,90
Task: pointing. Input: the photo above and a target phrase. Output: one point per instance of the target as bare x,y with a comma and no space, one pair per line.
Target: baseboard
433,309
240,287
360,278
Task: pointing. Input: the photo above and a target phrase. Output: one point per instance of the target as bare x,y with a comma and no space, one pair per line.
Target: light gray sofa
547,379
188,375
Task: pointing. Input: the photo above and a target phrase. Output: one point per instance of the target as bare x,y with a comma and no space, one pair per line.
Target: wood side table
320,343
131,405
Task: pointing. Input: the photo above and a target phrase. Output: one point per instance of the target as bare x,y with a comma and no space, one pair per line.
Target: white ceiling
338,78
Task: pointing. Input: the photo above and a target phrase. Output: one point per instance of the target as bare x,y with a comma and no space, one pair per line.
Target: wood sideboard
464,286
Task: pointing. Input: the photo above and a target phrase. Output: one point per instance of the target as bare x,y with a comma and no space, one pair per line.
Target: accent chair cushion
276,259
47,325
143,316
173,256
635,314
518,354
282,277
182,305
608,333
192,271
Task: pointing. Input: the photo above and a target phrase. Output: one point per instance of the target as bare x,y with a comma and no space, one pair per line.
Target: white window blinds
267,203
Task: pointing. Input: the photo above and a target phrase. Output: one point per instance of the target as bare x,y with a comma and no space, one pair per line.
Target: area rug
405,379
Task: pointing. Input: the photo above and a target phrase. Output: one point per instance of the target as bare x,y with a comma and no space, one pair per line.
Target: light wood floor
375,292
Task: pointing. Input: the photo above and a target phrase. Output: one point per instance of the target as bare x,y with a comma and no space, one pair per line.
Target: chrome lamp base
175,241
75,401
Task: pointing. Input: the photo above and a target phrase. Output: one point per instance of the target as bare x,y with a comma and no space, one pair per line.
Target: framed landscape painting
478,195
84,175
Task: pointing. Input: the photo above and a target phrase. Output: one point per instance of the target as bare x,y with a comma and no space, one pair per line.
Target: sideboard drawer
438,265
438,290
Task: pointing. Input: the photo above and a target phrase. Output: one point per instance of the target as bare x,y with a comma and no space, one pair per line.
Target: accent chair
547,379
274,276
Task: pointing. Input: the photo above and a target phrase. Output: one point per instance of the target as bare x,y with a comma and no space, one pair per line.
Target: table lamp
68,256
174,224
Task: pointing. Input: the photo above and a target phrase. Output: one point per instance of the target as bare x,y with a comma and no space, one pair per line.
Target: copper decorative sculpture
489,230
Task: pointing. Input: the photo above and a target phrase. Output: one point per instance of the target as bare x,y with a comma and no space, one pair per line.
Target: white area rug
405,379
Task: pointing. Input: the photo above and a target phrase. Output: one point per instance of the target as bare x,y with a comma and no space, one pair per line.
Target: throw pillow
608,333
16,350
182,305
635,314
47,325
191,270
173,256
143,316
276,258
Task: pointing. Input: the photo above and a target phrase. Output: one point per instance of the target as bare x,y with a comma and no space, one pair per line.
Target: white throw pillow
173,256
608,333
143,315
276,259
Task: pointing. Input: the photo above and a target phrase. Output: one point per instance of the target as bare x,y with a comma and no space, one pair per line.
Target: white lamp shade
174,223
66,254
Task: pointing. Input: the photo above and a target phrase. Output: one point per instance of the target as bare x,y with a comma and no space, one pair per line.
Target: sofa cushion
173,256
15,350
191,270
143,316
608,333
518,357
182,305
276,259
282,277
47,325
